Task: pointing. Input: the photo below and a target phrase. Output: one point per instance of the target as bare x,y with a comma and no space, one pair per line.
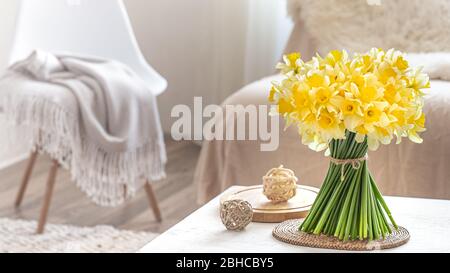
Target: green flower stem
335,215
354,229
345,209
326,212
328,190
353,208
364,210
382,202
353,205
320,201
383,217
376,227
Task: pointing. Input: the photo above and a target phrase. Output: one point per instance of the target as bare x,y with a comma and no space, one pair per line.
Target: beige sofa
406,169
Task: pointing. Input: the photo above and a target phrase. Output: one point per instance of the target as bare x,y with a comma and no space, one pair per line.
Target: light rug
19,236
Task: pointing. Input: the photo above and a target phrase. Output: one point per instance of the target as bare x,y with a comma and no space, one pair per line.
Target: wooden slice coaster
268,212
288,232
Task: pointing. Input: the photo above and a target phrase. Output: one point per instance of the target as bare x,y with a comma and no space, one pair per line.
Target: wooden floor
176,195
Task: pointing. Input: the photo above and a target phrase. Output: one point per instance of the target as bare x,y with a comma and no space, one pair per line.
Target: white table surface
427,220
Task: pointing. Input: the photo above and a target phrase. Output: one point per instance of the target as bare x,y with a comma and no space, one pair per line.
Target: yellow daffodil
292,59
326,120
302,102
284,106
272,94
401,63
375,95
323,95
316,80
351,107
372,114
290,64
352,113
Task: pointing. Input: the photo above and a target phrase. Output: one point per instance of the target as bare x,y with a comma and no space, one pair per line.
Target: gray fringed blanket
111,140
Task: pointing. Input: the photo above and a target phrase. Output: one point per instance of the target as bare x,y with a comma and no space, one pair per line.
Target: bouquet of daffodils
347,105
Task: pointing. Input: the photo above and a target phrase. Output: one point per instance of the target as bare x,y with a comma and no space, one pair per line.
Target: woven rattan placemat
288,232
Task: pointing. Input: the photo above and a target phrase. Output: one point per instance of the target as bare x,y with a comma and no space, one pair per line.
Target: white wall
206,48
209,48
8,10
190,42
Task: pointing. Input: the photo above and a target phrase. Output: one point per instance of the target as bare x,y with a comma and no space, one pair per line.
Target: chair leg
152,200
26,178
47,197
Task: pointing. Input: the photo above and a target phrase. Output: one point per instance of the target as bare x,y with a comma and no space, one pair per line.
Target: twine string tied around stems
354,162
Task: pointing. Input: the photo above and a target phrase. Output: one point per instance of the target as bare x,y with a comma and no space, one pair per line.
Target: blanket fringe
108,178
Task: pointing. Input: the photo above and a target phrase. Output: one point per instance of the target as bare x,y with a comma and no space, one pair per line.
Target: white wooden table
427,220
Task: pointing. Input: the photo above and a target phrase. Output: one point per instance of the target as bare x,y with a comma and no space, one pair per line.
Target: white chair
99,28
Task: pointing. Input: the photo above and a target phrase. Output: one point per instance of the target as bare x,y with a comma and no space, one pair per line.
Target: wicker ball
279,184
236,214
